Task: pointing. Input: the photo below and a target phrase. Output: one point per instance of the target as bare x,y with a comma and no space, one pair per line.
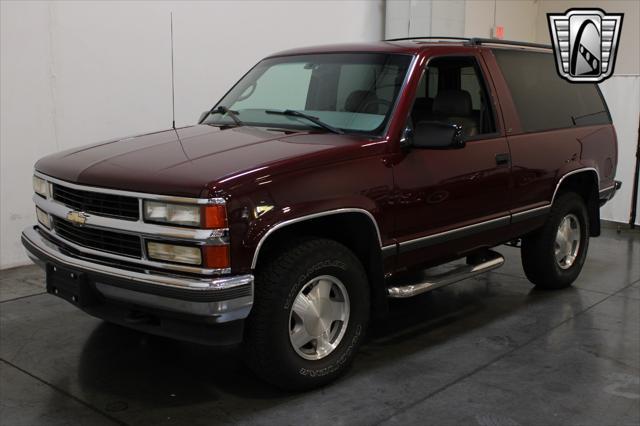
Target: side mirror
437,135
203,116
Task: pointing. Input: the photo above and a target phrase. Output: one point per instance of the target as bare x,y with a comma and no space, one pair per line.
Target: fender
592,202
573,172
282,224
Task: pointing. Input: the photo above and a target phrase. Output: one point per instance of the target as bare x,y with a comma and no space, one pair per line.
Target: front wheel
552,257
310,315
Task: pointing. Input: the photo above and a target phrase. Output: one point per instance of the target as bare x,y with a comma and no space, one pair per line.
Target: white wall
625,110
424,18
517,18
74,73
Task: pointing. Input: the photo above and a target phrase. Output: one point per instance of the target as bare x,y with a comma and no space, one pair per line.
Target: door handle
502,159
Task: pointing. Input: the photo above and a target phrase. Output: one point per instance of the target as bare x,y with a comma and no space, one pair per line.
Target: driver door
451,201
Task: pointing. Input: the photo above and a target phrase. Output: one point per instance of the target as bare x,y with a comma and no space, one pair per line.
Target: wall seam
52,75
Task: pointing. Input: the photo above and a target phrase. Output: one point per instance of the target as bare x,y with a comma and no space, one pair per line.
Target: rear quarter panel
541,159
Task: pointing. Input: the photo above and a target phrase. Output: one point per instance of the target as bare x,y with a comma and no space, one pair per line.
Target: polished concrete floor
490,351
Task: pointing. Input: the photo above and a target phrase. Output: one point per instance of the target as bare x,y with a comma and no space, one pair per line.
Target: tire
542,257
308,267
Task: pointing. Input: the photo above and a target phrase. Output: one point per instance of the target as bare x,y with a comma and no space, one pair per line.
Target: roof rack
428,38
476,41
479,41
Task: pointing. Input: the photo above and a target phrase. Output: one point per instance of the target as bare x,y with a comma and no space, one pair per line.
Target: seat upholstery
364,101
454,107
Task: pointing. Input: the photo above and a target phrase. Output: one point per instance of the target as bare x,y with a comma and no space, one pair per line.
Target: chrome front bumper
218,299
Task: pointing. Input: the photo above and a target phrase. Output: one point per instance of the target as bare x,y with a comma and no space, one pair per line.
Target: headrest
362,101
452,103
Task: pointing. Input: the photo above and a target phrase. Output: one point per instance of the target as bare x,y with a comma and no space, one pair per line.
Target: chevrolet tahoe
282,220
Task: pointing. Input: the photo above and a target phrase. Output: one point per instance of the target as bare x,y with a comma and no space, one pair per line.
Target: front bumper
208,310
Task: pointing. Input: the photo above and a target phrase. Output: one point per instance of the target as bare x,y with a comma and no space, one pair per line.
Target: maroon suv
287,216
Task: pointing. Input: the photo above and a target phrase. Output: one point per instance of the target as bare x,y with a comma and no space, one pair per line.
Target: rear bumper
608,193
208,310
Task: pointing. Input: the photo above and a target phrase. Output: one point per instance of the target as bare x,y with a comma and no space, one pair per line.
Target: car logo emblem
77,218
585,42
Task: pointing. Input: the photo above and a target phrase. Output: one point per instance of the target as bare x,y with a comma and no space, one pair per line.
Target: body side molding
490,224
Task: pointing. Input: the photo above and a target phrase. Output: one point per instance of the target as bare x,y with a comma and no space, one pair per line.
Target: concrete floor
489,351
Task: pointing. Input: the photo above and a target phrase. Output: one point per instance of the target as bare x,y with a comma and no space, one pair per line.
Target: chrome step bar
491,260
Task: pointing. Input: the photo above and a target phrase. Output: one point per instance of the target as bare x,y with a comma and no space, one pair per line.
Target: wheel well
586,185
354,230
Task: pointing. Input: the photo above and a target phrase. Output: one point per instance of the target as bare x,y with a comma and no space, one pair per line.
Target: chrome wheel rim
567,241
319,317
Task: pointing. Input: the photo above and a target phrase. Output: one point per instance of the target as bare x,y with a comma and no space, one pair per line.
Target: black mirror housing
437,135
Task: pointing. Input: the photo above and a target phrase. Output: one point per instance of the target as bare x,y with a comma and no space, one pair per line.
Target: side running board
491,260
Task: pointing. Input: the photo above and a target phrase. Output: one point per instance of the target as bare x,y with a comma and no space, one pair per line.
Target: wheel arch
585,182
355,228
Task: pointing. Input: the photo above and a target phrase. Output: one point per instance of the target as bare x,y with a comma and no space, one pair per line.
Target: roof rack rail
428,38
479,41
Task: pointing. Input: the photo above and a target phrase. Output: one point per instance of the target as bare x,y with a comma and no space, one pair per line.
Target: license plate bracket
70,285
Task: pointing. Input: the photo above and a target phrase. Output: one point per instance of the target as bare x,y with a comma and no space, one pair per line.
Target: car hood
185,161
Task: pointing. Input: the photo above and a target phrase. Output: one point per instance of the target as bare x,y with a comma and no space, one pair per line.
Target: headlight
43,218
40,186
210,217
174,253
178,214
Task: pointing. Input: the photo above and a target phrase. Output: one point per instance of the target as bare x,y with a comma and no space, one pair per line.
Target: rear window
544,100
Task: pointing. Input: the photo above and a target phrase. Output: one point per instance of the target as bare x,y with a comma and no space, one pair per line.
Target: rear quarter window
545,101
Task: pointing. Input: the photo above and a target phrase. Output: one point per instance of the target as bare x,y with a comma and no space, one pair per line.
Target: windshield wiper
314,120
226,111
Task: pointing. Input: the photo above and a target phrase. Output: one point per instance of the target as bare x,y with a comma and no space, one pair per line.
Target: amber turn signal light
214,217
216,257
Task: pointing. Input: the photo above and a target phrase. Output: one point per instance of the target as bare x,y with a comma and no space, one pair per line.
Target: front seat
364,101
454,107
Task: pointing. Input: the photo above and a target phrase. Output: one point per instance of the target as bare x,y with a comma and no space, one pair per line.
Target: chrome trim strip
573,172
144,195
607,189
471,229
388,251
47,248
511,218
530,213
151,230
280,225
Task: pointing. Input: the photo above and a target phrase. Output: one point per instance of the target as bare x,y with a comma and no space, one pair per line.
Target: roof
409,45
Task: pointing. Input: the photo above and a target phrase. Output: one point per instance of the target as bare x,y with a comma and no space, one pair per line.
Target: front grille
98,203
98,239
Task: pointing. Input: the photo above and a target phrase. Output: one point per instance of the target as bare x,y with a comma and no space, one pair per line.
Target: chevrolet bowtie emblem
77,218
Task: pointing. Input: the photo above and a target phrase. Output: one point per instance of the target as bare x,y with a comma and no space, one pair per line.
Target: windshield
352,92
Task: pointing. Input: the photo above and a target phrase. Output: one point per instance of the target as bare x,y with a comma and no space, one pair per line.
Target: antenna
173,91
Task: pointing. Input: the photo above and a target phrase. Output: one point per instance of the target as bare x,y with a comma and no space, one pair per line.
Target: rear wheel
310,315
553,256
